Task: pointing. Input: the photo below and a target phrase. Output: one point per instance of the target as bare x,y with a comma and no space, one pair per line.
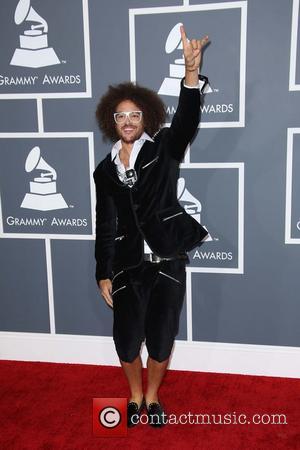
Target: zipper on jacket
169,276
123,287
115,276
119,238
148,164
174,215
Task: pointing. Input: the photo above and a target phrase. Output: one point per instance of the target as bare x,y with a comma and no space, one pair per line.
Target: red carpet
49,406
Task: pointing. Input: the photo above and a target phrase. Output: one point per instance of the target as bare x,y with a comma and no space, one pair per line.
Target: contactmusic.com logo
110,417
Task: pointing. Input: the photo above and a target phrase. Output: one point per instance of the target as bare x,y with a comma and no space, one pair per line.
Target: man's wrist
191,87
202,84
192,77
191,69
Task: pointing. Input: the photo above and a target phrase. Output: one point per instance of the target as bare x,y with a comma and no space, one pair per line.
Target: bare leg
133,372
156,371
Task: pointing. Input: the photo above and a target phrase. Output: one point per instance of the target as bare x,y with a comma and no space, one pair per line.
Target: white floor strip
246,359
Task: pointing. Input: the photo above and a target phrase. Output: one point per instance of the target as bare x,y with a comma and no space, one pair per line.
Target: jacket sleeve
106,217
185,120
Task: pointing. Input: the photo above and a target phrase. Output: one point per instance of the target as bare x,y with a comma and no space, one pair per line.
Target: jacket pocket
120,237
116,275
169,213
150,163
169,276
119,282
171,216
118,289
179,227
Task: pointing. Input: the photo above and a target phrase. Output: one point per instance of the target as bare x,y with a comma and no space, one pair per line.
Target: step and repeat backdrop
240,176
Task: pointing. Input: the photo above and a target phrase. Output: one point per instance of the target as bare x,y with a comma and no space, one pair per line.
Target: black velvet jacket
150,209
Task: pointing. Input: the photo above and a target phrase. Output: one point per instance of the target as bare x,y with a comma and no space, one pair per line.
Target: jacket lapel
145,156
111,171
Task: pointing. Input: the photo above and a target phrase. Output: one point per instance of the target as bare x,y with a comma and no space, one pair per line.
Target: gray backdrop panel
23,281
259,306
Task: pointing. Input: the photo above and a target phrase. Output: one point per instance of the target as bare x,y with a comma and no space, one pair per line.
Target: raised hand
192,50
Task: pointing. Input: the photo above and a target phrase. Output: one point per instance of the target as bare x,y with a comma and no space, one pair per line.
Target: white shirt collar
117,146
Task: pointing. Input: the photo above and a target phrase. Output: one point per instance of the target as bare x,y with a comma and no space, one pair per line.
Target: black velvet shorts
147,303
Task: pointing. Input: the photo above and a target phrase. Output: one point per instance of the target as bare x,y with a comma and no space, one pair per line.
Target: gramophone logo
42,195
192,205
171,84
34,51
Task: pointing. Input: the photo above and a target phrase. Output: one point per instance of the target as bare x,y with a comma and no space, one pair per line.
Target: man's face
128,131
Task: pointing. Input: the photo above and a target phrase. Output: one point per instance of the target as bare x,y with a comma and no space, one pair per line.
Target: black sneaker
134,412
156,415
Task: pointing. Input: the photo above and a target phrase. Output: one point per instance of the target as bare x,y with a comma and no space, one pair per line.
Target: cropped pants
147,302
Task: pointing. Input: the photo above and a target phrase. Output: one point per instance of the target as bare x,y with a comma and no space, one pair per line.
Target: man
142,232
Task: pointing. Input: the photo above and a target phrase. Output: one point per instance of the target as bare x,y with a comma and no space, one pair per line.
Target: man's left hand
192,50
